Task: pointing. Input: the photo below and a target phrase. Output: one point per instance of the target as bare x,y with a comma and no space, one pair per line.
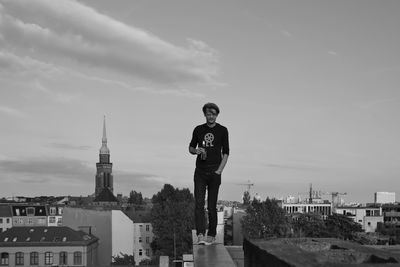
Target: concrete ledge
212,256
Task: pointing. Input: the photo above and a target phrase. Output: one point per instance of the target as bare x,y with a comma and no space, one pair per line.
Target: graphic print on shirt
209,138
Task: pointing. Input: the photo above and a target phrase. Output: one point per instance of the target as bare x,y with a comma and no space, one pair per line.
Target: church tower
104,177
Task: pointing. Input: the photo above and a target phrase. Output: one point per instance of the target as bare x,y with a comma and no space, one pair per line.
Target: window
8,220
30,221
4,258
19,258
53,210
368,213
63,258
147,228
34,258
1,220
369,223
48,258
147,239
17,212
140,252
147,252
21,221
77,257
41,221
30,211
52,219
140,239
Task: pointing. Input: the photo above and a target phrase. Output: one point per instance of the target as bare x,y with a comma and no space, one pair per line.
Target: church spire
104,131
104,149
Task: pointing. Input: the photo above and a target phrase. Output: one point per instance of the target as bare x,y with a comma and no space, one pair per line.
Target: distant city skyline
309,91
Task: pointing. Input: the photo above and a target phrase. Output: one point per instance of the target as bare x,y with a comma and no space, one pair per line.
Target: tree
135,198
146,262
309,225
265,219
123,259
341,226
246,198
172,218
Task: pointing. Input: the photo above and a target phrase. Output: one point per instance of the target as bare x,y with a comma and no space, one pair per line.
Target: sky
309,91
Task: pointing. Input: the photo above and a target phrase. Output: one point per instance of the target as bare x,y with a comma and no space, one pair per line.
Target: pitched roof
105,196
5,211
44,236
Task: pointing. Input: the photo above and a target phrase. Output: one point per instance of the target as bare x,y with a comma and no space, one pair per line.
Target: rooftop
5,211
106,196
44,236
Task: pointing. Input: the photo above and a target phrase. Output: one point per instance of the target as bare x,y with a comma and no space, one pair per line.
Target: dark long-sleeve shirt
215,141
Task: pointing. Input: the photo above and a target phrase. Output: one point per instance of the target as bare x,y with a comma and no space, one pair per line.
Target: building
384,197
5,217
113,228
29,215
368,217
391,213
142,232
54,217
104,177
237,215
323,209
47,246
142,238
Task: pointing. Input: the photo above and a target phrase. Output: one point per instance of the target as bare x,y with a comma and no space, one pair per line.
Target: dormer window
30,211
14,239
53,210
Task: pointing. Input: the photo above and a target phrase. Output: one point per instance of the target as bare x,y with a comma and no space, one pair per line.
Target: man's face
211,115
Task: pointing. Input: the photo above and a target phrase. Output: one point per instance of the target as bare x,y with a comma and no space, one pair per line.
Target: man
211,145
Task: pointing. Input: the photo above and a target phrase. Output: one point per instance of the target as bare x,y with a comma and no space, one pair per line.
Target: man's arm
193,144
222,164
225,152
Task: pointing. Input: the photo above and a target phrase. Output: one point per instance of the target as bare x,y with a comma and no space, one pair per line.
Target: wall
100,221
122,233
41,250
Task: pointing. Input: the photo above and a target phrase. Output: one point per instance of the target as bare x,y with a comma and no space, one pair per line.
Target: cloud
66,32
56,96
333,53
12,112
286,34
69,171
293,167
68,146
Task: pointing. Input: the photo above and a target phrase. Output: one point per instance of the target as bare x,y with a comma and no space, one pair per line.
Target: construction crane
248,184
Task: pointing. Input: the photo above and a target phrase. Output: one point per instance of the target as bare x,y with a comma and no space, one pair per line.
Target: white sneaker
209,240
200,239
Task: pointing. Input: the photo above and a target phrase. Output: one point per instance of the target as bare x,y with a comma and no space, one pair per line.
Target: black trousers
210,181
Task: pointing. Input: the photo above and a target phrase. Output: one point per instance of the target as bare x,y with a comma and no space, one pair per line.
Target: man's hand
200,150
